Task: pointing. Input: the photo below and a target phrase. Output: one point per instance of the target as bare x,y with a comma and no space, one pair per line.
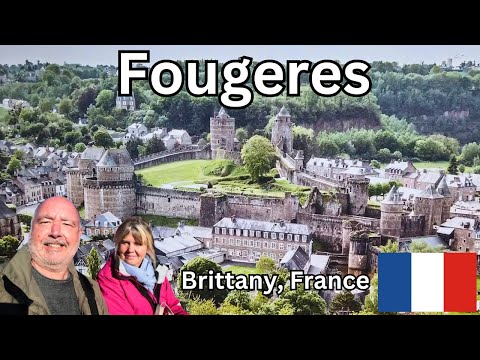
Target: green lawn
185,173
3,111
236,269
189,170
157,220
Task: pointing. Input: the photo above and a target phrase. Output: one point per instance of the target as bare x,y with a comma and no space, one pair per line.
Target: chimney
282,223
234,219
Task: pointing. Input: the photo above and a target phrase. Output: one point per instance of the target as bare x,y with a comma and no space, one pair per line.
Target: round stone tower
222,134
282,134
358,254
391,214
113,189
86,168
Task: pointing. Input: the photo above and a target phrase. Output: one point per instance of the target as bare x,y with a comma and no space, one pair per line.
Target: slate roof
397,165
222,113
197,231
115,157
175,243
459,223
6,212
318,264
283,112
160,232
247,224
295,259
92,153
393,196
430,193
111,220
442,187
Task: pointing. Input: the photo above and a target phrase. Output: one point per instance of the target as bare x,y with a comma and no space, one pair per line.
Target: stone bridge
186,152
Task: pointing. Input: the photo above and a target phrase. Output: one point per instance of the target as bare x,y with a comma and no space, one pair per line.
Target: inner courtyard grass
177,171
187,173
237,269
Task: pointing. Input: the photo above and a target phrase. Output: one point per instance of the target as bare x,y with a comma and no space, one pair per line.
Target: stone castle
335,211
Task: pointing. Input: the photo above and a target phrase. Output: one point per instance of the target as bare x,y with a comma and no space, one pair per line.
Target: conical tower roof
393,197
442,187
222,113
430,193
283,112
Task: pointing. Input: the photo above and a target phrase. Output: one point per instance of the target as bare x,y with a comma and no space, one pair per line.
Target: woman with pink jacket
129,281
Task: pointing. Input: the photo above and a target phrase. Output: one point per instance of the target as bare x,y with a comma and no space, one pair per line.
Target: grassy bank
157,220
224,176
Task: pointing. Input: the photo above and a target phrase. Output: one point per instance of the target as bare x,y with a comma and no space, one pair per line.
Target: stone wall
373,259
373,212
326,203
167,202
356,223
432,209
114,173
358,191
326,229
168,156
412,226
11,226
263,208
118,197
212,209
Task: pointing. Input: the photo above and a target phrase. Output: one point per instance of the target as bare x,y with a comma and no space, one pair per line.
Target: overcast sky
107,54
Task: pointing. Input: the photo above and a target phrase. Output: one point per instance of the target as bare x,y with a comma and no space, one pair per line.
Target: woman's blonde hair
140,231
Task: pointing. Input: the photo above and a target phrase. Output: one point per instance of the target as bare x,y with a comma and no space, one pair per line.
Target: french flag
439,282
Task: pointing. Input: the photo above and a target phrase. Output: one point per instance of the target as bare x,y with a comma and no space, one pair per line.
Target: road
27,210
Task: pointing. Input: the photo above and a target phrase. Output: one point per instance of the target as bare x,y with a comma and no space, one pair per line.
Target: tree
397,155
461,168
258,154
266,265
423,247
327,147
132,147
371,300
202,307
93,263
344,301
13,165
391,247
103,138
240,299
384,155
80,147
453,166
241,134
375,164
105,100
304,302
201,266
8,245
154,145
